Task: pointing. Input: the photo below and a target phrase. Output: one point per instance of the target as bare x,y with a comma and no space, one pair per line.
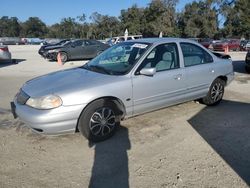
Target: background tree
199,19
67,28
237,22
133,19
34,27
160,16
103,26
9,27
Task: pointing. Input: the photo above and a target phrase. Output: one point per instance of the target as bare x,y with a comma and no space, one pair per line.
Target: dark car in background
230,44
44,47
75,49
247,66
11,41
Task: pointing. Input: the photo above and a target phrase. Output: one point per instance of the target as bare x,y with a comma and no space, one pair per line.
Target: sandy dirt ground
188,145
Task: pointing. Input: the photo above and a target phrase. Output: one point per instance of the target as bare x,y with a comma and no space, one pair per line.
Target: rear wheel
99,120
215,94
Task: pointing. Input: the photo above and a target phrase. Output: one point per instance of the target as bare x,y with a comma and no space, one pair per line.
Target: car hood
65,82
53,47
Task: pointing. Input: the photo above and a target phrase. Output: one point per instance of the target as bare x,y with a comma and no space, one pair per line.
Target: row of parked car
221,45
20,41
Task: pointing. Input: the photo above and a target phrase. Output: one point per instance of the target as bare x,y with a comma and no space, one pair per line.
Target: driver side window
163,57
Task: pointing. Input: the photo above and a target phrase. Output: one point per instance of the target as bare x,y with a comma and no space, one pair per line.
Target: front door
168,86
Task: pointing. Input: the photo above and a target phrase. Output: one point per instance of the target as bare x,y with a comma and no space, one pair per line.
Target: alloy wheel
102,122
217,92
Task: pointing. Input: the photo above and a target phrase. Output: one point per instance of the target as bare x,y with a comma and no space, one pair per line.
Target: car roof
162,40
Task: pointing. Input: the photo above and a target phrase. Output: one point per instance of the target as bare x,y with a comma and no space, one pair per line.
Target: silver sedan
128,79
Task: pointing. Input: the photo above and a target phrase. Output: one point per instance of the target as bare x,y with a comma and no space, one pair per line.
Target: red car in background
233,44
207,43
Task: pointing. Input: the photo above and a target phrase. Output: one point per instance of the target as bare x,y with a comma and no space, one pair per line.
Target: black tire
64,56
94,126
247,69
215,93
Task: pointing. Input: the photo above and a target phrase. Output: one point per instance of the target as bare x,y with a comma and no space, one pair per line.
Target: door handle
178,77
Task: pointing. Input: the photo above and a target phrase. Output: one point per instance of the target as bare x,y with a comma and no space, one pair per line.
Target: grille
22,97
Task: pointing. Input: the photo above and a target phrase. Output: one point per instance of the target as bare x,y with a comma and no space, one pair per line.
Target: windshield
119,59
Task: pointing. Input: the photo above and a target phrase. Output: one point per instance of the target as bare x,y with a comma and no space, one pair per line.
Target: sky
52,11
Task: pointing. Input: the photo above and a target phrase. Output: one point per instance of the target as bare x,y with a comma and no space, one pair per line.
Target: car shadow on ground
110,168
10,63
226,128
239,66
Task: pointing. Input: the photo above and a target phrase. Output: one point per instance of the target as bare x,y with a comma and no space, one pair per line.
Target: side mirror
72,45
148,71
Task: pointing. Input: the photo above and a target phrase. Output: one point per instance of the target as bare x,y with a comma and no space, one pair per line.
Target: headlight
52,51
45,103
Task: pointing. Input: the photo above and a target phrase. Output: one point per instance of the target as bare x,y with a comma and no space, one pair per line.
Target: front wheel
215,93
99,120
63,56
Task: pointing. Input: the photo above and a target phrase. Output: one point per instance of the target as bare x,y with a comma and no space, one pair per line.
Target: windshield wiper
99,68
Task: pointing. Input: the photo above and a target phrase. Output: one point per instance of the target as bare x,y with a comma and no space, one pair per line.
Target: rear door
166,87
199,68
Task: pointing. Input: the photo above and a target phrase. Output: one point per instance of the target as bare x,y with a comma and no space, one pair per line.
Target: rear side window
91,42
194,55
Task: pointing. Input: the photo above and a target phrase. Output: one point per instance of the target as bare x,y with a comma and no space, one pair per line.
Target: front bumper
51,56
56,121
